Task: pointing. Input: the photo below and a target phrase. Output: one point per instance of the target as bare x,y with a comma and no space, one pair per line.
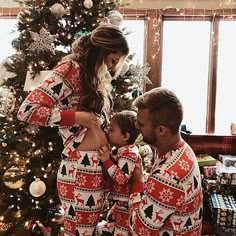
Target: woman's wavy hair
90,51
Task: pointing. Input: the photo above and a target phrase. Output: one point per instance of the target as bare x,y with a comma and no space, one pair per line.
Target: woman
76,98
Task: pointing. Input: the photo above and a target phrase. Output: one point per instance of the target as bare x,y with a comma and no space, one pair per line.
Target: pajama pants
117,222
80,186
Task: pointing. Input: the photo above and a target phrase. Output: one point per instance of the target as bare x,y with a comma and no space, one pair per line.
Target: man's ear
161,130
126,136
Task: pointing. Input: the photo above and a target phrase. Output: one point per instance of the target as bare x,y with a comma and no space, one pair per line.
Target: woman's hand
87,119
104,154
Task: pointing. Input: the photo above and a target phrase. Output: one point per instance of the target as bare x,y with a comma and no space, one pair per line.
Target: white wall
8,3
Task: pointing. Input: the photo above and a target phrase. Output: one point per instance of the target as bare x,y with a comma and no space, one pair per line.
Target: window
7,34
185,68
135,37
226,77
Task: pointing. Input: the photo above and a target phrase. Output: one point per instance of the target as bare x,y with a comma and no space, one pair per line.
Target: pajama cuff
137,187
67,118
108,163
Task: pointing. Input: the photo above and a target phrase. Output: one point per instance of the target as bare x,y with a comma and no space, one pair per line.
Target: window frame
214,16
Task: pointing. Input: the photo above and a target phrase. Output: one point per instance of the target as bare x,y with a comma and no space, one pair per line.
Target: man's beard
151,139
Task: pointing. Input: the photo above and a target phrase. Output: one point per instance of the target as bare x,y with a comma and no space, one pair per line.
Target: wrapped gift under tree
223,209
205,160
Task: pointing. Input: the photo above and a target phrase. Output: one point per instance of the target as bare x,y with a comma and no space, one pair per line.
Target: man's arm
149,209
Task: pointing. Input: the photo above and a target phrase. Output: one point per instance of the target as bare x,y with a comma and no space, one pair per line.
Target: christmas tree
30,154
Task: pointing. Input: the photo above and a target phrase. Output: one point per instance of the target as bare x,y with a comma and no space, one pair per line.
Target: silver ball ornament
115,17
88,4
37,188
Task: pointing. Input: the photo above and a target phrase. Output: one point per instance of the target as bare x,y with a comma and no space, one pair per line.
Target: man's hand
104,154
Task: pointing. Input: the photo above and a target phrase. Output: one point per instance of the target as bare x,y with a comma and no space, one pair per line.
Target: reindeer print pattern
169,207
54,103
118,225
120,171
80,188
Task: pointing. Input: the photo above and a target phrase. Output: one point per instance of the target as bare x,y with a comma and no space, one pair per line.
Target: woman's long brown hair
90,51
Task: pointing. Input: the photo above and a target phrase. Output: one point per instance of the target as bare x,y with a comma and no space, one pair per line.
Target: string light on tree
156,26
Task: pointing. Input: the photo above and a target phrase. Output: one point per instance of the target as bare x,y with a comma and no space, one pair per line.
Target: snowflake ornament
140,73
42,41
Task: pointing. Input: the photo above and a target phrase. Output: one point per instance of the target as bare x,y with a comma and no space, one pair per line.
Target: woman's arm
41,107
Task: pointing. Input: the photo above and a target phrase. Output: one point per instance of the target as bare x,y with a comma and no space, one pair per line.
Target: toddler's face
114,135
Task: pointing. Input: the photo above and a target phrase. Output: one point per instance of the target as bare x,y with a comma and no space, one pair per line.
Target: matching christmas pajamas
171,204
81,189
119,168
80,180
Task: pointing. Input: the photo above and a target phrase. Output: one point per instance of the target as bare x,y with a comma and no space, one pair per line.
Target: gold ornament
12,173
37,188
57,10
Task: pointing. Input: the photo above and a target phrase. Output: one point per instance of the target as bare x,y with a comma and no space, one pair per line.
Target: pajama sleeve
122,171
147,213
43,105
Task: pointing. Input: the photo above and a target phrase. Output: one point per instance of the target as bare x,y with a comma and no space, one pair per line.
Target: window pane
7,34
135,38
185,68
226,78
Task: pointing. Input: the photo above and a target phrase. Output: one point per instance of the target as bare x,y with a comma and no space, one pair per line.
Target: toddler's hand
104,154
137,175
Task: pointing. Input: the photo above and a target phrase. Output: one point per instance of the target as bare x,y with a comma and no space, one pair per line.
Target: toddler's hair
126,121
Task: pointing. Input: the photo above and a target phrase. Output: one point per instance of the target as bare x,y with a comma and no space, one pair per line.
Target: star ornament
42,41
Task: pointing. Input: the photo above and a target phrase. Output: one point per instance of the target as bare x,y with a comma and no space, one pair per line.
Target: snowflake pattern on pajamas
172,200
80,184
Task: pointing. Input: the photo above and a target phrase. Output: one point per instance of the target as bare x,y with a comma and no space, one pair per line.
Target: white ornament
7,101
88,4
139,75
13,172
115,17
37,188
57,10
42,41
145,151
